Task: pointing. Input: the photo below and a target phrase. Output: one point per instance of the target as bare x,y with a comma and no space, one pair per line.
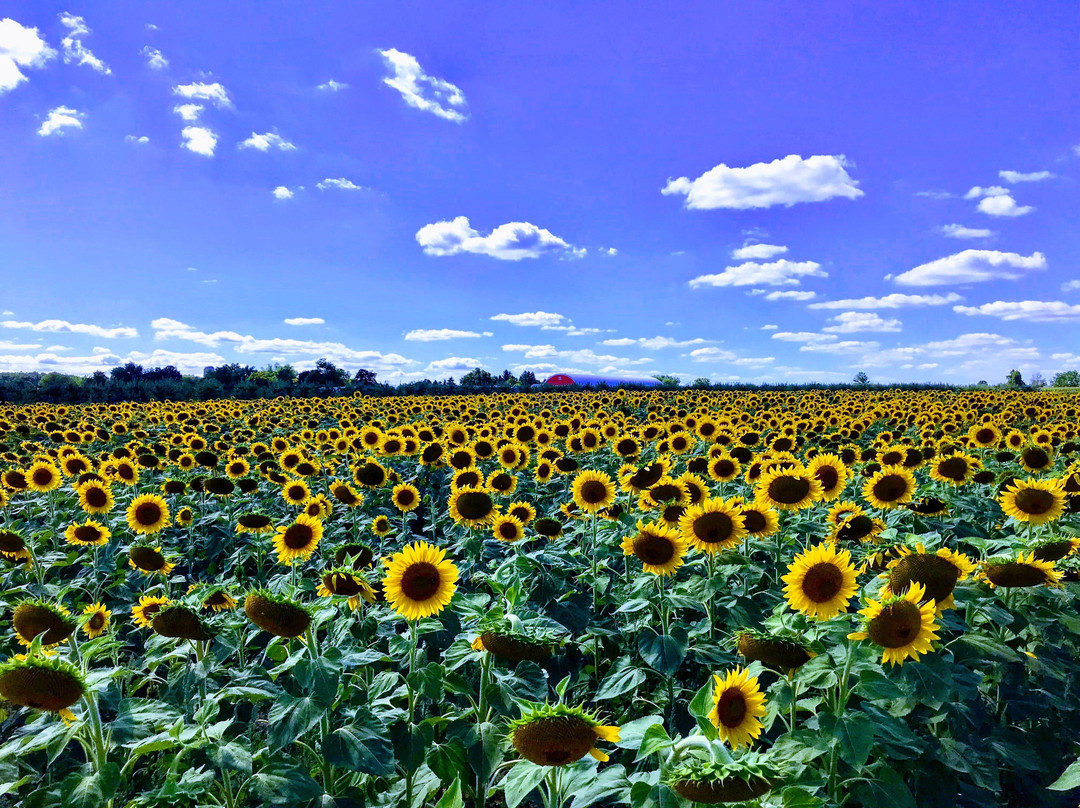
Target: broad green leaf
91,789
291,717
520,781
883,786
452,797
361,746
655,739
852,733
139,718
283,784
663,653
1070,779
644,795
623,678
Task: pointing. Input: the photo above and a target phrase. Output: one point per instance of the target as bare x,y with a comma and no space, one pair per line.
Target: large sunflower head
831,472
148,559
1023,571
95,497
276,614
298,540
252,522
43,476
473,507
789,489
659,548
419,581
713,525
1033,501
955,468
43,684
936,573
889,487
148,514
507,528
406,497
40,618
87,534
780,652
738,705
901,625
759,519
821,581
712,782
593,491
557,735
180,622
508,639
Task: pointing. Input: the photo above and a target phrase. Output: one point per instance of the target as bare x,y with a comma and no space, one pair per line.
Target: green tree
1014,381
1067,378
666,380
861,379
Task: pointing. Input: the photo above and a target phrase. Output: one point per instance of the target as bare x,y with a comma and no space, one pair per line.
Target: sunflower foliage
661,598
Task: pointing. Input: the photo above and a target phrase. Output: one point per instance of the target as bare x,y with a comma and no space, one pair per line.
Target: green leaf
876,686
884,786
700,707
520,781
655,739
291,717
623,678
140,718
319,677
93,789
1070,779
663,653
590,787
452,797
361,746
852,733
282,784
794,797
633,732
646,795
233,755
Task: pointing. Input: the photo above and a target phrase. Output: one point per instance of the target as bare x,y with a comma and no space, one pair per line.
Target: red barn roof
559,379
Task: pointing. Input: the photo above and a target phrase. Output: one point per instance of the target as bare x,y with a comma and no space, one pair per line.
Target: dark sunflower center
985,436
593,491
1013,574
954,468
341,584
789,490
502,482
420,581
823,582
147,559
754,521
11,543
856,528
1035,458
405,497
724,468
87,533
898,624
1034,501
548,527
653,550
254,520
42,477
827,476
508,530
96,621
474,505
96,497
937,575
298,537
890,488
713,527
731,708
647,476
663,493
148,514
626,447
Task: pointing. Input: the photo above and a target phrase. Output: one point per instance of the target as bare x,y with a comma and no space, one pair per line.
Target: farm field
797,599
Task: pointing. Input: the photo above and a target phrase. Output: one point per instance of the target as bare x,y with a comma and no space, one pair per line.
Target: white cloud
271,140
989,190
785,181
215,93
756,251
8,345
74,50
512,241
803,336
340,183
333,86
166,328
61,118
851,322
979,352
137,140
199,139
893,301
154,58
972,266
440,334
844,347
534,318
584,356
104,359
422,91
57,326
751,273
453,364
723,355
934,194
959,231
654,343
304,321
1070,286
282,192
790,295
1036,311
20,47
769,327
612,251
189,112
1019,176
1002,205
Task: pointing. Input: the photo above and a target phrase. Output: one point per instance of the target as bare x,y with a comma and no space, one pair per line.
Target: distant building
562,380
559,380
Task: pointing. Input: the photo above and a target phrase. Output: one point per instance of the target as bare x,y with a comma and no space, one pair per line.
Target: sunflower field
646,599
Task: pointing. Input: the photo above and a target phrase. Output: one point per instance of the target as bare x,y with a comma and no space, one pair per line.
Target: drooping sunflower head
558,735
821,581
346,495
252,522
41,683
180,622
549,528
419,581
738,705
512,641
928,506
1033,501
148,514
781,652
296,542
473,507
1023,571
41,618
354,555
215,598
12,545
889,487
593,491
936,573
902,626
659,548
148,559
789,489
276,614
1055,548
346,582
712,782
713,525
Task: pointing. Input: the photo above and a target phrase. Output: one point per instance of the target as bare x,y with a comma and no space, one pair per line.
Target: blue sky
773,191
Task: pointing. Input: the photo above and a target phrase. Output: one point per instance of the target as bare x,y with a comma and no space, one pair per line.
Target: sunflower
713,525
297,541
43,684
759,520
889,487
252,522
148,560
902,625
472,507
593,491
505,639
13,546
928,506
524,511
1055,548
820,582
1033,501
215,598
711,782
346,494
857,528
143,612
738,705
356,556
419,581
507,528
558,735
666,491
43,476
295,492
95,497
659,548
955,468
381,526
87,534
148,514
502,482
40,618
318,507
831,473
780,652
549,528
406,497
346,582
1025,570
276,614
789,489
97,621
936,573
179,622
1036,459
184,517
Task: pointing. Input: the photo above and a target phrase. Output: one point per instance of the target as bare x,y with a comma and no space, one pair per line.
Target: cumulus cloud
840,347
507,242
533,318
976,351
304,321
57,326
789,295
215,93
1036,311
282,192
340,184
654,343
893,301
332,86
74,50
20,47
137,140
584,356
769,327
784,181
61,118
422,91
758,251
189,112
1019,176
453,364
850,322
959,231
199,139
972,266
440,334
752,273
1070,286
103,359
803,336
154,59
995,200
724,355
271,140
